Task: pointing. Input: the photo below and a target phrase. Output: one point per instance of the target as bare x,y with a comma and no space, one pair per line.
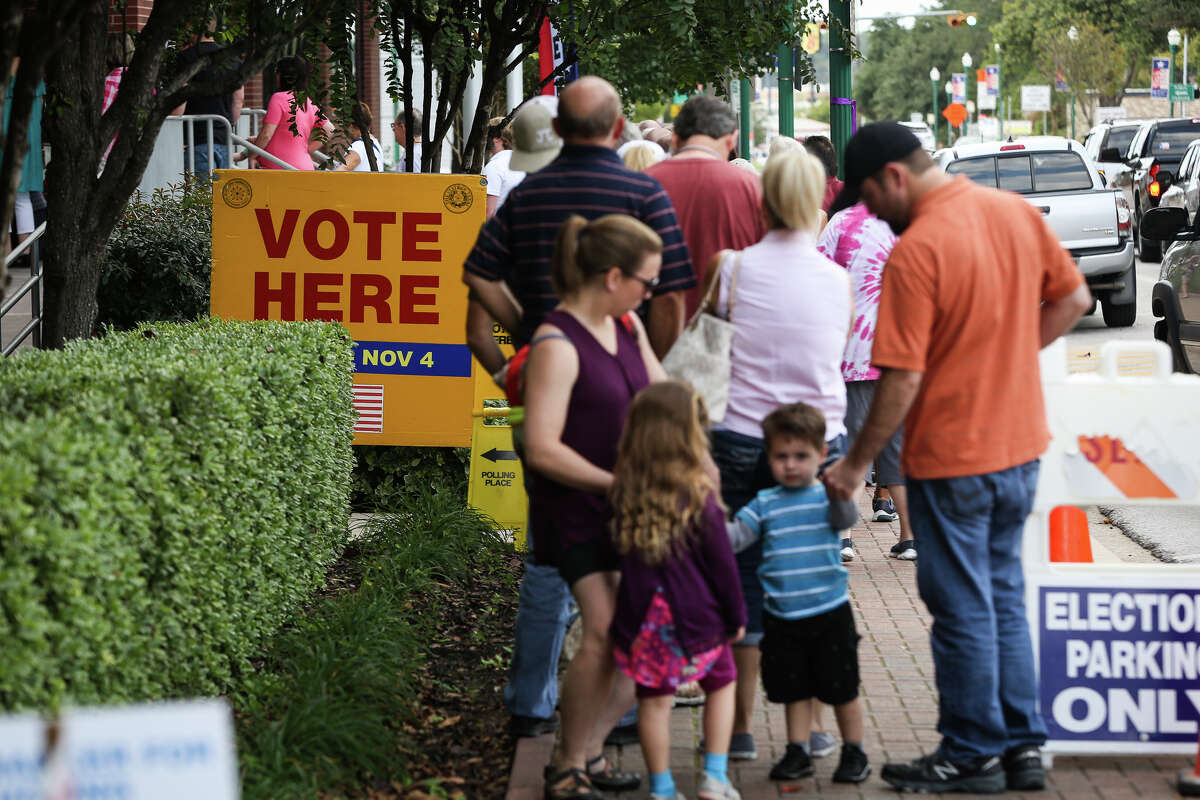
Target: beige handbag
701,354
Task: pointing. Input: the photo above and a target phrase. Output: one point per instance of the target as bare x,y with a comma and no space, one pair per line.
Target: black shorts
580,560
811,657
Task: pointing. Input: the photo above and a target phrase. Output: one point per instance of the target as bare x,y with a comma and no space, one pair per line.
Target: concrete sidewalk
900,704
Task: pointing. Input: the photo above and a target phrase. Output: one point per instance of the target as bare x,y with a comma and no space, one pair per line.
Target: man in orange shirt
975,287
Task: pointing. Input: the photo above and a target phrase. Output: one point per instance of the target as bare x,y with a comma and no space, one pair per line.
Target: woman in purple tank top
586,362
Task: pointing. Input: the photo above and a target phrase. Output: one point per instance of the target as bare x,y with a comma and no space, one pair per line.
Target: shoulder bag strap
737,266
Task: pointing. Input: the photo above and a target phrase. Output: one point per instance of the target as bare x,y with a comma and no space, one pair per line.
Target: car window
1120,138
1135,144
1013,174
1172,141
979,170
1091,144
1189,160
1060,172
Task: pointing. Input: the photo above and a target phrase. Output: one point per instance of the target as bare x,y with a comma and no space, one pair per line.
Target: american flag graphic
368,403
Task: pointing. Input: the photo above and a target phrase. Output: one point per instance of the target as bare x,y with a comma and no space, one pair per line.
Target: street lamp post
934,77
966,62
1073,35
1173,39
999,90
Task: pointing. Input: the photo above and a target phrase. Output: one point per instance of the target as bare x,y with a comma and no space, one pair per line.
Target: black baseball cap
867,152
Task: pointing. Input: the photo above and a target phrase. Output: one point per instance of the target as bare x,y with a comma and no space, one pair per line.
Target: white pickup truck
1091,220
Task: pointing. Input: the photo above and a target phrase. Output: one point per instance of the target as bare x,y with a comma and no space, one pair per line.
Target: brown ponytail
585,249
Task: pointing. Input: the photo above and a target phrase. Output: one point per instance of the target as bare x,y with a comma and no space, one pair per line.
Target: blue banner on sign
1159,77
1120,664
407,358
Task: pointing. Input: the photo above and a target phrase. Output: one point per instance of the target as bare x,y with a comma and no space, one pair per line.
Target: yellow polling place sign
497,481
382,254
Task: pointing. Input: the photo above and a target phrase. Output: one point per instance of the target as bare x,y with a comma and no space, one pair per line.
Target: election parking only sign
1120,664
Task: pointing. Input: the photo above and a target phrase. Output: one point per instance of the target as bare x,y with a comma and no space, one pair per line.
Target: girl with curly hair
679,604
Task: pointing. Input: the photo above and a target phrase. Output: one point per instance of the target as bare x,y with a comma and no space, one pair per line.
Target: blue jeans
543,608
970,576
203,169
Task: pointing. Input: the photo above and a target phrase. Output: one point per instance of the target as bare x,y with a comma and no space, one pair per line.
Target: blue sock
662,784
715,765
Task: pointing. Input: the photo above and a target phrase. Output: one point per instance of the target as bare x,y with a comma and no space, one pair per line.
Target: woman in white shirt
356,157
791,311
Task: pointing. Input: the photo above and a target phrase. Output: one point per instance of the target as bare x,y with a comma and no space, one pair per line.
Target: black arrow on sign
495,455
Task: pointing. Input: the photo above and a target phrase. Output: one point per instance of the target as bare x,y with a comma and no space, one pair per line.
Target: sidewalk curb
530,756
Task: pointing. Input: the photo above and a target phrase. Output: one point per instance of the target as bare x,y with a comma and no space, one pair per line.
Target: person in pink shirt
276,135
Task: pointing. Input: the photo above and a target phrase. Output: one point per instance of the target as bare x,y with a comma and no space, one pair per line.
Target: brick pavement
900,710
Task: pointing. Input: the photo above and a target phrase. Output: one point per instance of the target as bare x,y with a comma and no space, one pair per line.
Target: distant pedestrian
718,205
972,263
678,604
224,104
117,57
639,156
356,157
822,148
33,166
809,645
791,311
285,109
861,242
400,131
587,360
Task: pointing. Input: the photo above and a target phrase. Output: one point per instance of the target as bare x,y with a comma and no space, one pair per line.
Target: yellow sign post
497,481
380,253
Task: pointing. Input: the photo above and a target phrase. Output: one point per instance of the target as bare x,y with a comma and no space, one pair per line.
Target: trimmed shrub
158,263
385,478
168,498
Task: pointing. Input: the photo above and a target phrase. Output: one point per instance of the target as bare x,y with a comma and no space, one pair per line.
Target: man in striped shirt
509,267
810,645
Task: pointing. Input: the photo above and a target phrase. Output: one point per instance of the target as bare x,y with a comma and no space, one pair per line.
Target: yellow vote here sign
380,253
497,481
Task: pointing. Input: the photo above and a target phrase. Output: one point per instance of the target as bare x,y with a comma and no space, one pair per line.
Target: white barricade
1118,645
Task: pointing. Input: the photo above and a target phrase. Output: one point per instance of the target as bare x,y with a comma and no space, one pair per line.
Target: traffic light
956,20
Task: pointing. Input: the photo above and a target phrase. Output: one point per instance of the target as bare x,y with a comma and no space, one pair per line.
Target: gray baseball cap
535,142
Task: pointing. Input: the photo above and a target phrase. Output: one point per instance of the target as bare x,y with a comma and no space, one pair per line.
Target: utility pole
840,88
744,115
787,84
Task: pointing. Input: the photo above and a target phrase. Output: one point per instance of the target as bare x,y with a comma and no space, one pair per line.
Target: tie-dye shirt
861,242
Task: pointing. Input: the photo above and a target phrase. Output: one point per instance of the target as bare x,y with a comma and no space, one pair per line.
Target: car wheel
1149,250
1120,316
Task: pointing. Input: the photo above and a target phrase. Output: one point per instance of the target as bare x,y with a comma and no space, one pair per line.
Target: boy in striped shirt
810,645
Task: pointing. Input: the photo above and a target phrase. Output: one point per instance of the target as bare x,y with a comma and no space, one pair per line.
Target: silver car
1185,191
1092,220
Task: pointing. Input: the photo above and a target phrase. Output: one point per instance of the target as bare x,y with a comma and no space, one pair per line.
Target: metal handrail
231,139
31,287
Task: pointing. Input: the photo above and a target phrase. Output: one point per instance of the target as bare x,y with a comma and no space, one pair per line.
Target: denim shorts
742,462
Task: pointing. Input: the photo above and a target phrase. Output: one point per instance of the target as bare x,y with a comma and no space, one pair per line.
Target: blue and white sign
1120,664
1160,70
178,750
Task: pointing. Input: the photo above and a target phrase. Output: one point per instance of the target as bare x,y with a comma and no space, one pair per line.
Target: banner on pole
993,79
959,83
1159,77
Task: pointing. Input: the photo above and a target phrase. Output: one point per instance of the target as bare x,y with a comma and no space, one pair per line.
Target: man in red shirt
974,288
718,205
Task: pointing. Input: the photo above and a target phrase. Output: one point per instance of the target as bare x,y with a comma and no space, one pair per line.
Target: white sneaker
713,789
847,550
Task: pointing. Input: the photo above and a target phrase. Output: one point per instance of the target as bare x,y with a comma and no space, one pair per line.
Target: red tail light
1013,147
1124,218
1155,190
1154,171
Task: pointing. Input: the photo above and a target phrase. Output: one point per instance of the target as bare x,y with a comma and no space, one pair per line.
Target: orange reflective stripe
1122,467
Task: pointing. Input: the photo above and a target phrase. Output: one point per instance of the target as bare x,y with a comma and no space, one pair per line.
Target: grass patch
404,645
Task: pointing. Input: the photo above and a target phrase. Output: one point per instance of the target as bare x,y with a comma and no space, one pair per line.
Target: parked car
1185,189
923,134
1091,220
1154,156
1176,296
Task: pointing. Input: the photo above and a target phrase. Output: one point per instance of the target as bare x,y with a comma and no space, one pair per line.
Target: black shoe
935,773
1023,768
622,735
530,727
795,764
854,767
611,779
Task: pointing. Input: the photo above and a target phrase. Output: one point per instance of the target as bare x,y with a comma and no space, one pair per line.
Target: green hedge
386,478
168,498
158,263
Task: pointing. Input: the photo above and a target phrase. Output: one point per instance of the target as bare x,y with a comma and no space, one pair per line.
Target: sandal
579,786
611,779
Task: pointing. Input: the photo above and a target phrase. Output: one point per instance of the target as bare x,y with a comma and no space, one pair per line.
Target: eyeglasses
650,284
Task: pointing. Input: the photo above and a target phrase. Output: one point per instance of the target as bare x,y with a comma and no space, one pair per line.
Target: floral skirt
655,658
